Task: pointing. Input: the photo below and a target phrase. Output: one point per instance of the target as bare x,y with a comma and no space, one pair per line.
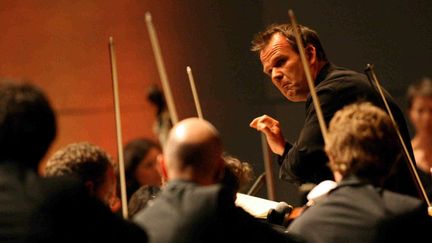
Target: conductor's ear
310,52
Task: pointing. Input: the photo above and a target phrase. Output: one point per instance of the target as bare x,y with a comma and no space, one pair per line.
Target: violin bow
412,166
315,99
114,76
268,165
161,68
310,82
266,153
194,92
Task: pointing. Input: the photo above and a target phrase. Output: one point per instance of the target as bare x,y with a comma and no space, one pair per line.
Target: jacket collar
350,180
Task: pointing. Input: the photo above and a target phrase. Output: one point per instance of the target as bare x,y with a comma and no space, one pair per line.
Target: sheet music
256,206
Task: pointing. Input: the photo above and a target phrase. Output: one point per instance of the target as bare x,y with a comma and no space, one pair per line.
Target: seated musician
92,166
419,96
192,206
362,146
36,209
238,174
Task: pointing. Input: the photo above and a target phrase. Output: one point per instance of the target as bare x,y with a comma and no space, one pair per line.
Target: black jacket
358,212
185,212
35,209
305,160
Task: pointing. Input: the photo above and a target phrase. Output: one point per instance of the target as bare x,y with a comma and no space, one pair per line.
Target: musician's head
419,98
193,152
141,168
27,123
279,55
362,141
238,174
91,165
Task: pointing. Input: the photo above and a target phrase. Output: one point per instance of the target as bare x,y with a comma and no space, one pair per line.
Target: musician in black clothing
35,209
362,147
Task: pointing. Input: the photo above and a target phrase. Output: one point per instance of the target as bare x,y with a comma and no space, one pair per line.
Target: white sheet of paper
256,206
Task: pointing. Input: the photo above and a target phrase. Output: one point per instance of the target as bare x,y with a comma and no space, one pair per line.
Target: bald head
194,152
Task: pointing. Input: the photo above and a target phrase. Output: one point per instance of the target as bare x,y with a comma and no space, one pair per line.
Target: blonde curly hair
362,141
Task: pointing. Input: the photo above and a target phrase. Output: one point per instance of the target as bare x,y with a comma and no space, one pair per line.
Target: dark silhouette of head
27,123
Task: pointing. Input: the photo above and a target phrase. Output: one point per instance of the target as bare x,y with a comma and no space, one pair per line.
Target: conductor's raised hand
271,128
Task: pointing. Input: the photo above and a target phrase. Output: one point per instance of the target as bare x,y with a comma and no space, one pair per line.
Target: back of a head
194,149
362,141
27,123
238,174
84,160
310,36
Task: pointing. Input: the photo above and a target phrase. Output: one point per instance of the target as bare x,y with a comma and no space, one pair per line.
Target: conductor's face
284,66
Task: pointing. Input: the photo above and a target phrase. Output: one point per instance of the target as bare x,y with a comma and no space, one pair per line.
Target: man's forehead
277,43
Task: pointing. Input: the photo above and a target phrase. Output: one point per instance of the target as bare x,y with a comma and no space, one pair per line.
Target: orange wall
63,47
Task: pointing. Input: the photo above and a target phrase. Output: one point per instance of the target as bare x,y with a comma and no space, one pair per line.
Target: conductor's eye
280,62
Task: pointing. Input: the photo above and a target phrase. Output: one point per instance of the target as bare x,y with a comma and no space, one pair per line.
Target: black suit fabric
35,209
358,212
305,160
186,212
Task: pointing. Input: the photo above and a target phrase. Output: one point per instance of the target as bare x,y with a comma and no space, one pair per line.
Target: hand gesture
271,128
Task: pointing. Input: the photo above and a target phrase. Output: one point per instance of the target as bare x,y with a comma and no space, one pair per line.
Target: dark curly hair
84,160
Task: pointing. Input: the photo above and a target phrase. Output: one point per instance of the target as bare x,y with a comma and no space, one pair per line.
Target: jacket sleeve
305,160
